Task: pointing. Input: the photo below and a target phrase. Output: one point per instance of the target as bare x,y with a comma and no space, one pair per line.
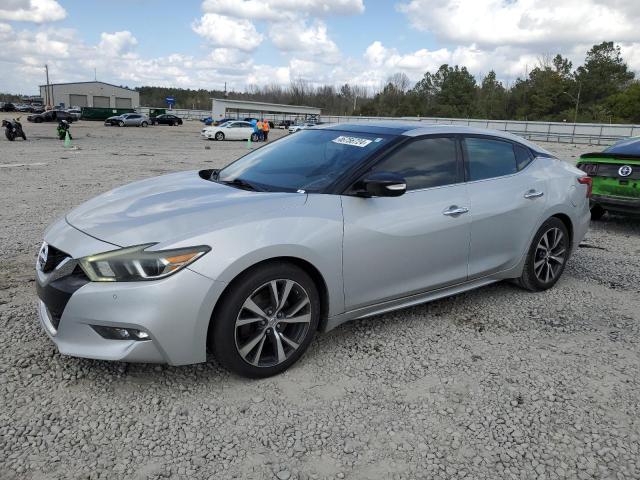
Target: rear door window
488,158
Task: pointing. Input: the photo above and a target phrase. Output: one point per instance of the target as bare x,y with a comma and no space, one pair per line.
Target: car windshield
310,161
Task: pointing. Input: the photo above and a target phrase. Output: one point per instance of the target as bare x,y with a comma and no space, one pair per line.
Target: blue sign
170,100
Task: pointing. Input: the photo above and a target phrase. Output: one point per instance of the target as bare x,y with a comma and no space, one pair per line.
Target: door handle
533,194
454,211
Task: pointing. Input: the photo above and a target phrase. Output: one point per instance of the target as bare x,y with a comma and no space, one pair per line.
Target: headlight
135,263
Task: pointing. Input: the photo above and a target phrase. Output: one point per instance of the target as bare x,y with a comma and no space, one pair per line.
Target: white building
89,94
225,108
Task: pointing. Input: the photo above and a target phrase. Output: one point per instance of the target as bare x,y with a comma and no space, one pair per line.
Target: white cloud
391,61
275,10
530,23
117,43
38,11
228,32
310,40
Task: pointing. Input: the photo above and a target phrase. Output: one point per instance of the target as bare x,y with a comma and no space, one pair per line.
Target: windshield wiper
241,183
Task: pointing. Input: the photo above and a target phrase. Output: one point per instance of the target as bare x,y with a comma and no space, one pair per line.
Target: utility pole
95,74
575,116
47,93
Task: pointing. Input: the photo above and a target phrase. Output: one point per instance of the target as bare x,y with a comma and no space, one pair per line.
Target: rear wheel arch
564,218
304,265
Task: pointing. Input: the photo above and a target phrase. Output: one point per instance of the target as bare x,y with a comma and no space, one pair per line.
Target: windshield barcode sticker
353,141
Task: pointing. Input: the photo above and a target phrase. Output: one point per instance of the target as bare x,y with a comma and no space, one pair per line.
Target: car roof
414,129
628,146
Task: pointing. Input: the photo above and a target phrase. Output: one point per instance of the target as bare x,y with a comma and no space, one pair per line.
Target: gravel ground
495,383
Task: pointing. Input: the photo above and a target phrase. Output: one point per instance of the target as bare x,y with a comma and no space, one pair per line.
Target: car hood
172,207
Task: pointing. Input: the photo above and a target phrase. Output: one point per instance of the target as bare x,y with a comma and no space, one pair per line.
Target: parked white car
301,126
238,130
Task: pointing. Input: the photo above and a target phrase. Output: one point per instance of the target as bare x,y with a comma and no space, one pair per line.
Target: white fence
591,133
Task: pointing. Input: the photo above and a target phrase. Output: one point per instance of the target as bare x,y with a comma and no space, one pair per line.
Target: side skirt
404,302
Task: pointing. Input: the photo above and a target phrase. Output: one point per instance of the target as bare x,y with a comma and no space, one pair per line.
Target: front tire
219,136
121,123
547,256
265,321
597,212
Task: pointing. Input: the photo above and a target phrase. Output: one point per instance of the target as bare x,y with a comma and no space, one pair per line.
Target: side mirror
383,184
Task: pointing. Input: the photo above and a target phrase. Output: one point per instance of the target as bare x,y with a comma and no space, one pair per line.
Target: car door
398,246
230,131
132,120
246,132
507,201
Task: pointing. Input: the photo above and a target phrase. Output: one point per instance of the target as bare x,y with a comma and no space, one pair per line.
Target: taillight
588,181
590,169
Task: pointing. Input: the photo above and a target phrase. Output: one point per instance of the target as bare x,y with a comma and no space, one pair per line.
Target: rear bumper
628,206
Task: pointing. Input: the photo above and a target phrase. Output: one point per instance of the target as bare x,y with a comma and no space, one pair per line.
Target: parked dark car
8,107
166,119
286,124
221,121
51,116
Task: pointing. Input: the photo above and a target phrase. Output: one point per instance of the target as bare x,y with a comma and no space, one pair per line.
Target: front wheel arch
304,265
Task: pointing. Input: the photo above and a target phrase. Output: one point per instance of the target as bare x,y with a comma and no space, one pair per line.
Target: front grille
57,292
54,258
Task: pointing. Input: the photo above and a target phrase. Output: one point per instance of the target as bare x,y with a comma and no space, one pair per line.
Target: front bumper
625,205
174,311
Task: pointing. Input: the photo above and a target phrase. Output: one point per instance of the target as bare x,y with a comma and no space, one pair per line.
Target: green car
616,178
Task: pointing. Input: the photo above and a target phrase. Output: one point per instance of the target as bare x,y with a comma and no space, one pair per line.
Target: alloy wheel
550,255
272,323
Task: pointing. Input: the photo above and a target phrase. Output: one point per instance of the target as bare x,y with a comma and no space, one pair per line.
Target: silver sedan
328,225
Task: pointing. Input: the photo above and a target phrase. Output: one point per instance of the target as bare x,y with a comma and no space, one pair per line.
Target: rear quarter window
523,156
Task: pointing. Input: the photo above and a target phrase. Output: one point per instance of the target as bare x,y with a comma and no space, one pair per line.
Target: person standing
265,130
260,132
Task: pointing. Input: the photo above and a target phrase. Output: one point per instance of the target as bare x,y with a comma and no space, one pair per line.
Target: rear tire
9,135
256,333
547,256
145,124
597,212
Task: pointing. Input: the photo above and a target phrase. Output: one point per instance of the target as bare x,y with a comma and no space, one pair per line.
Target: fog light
118,333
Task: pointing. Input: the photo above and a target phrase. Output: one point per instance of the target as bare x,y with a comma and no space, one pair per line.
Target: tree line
603,89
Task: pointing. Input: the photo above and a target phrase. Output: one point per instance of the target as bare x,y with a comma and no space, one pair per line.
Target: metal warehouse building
222,108
89,94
